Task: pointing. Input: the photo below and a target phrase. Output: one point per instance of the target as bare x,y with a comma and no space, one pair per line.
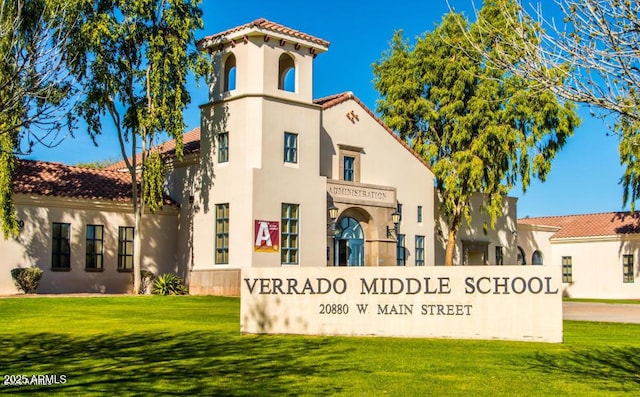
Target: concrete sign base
485,302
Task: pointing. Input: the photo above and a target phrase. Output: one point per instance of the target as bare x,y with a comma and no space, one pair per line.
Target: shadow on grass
617,368
196,363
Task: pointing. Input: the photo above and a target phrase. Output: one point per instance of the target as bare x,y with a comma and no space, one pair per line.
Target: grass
191,346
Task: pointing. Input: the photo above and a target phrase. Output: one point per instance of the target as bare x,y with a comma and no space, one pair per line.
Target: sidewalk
70,295
604,312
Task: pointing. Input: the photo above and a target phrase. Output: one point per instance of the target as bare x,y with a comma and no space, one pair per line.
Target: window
419,214
348,164
222,234
522,258
290,147
94,247
287,73
536,258
419,250
61,249
125,248
230,73
400,210
567,270
499,256
627,268
400,251
289,234
475,253
223,147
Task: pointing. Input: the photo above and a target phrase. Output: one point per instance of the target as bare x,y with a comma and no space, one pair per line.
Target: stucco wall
255,181
384,162
596,262
532,238
597,270
33,245
505,233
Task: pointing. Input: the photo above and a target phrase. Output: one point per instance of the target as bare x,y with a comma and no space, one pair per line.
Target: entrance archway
349,243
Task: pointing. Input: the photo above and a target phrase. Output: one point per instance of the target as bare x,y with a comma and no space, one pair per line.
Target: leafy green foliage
27,279
481,129
169,284
133,58
98,164
153,171
35,88
8,161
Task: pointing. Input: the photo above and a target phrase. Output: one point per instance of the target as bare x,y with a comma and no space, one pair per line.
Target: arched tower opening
286,73
230,73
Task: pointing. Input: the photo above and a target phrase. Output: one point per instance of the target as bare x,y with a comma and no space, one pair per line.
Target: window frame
96,255
348,172
60,246
290,234
420,250
221,244
401,256
223,147
627,269
567,269
499,255
354,153
125,244
419,215
290,154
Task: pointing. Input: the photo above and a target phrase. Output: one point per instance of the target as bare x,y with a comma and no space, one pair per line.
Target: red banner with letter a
266,236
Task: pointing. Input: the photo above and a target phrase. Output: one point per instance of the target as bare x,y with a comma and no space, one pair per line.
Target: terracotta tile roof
264,25
333,100
59,180
589,225
190,144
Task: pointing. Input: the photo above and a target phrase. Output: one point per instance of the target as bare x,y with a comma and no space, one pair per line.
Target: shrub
26,278
169,284
146,280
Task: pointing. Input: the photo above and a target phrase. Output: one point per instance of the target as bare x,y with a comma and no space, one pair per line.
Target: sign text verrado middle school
396,286
479,302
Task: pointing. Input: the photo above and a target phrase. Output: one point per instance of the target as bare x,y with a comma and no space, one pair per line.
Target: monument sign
469,302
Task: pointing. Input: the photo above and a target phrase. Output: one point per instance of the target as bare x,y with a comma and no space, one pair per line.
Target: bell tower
260,152
263,58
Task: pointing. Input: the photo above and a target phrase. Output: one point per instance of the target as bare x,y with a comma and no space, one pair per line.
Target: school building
271,178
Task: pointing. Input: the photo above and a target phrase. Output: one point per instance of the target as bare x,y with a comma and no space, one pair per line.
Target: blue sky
584,177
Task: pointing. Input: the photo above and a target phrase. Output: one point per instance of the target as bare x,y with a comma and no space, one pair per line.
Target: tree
36,89
480,129
133,60
591,57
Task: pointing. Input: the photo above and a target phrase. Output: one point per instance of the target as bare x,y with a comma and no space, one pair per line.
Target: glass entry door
349,249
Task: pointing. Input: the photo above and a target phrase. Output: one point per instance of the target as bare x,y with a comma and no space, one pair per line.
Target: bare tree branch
35,80
591,56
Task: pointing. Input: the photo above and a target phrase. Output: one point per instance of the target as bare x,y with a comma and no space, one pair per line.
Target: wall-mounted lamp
333,215
395,218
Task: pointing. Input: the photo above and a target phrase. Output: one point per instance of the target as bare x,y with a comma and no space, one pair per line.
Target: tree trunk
137,255
451,246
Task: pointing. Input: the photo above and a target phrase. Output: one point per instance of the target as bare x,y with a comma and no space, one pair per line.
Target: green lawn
152,345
